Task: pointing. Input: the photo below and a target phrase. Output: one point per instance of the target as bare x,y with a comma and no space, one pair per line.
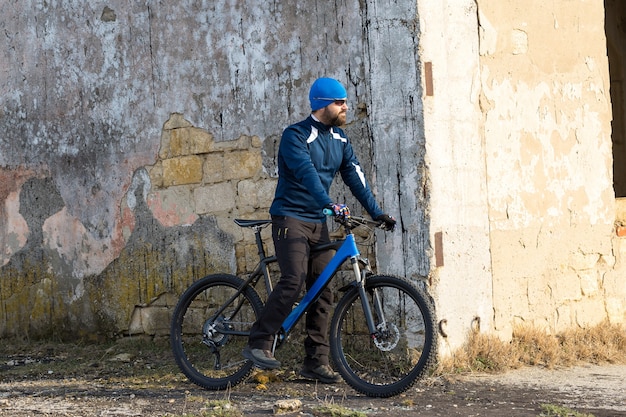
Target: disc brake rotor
387,337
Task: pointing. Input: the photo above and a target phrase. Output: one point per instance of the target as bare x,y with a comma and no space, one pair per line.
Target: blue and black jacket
309,156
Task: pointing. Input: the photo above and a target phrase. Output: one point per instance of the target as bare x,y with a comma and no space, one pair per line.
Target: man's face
335,113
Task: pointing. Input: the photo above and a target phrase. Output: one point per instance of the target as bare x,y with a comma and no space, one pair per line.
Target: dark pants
298,266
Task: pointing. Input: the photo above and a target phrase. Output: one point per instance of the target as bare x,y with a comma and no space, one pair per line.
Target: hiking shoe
261,358
322,373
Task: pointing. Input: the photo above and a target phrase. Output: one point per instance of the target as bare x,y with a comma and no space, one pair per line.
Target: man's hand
387,222
339,210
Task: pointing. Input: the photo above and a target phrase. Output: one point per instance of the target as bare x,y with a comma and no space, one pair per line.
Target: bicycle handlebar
350,221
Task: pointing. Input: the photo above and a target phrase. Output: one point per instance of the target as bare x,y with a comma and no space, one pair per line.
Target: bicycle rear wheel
206,343
404,346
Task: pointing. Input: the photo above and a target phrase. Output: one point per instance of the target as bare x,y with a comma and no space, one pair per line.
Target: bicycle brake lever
341,218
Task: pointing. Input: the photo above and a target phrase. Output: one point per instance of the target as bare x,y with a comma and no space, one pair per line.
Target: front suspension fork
361,276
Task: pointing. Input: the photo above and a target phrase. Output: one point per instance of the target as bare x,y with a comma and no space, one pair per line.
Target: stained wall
133,134
519,153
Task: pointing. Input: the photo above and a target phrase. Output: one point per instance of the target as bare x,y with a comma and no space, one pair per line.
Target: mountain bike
382,332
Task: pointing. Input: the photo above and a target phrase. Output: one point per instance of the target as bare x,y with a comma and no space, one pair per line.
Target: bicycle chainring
387,337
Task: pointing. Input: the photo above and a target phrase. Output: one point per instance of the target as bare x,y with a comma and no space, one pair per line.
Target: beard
338,119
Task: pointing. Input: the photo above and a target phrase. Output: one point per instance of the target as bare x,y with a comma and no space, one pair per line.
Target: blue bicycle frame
348,249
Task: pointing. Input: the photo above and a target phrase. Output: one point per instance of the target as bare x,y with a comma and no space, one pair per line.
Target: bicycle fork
361,277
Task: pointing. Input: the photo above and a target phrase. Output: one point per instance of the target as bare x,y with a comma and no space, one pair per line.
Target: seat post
259,241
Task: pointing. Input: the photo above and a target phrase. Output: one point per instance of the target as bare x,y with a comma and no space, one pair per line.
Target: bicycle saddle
251,223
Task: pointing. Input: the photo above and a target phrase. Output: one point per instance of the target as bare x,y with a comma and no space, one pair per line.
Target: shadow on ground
139,378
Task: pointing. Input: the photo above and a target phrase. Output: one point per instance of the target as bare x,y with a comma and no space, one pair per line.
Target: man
311,152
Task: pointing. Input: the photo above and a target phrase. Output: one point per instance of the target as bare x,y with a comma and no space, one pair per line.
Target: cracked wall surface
88,90
132,135
519,167
549,162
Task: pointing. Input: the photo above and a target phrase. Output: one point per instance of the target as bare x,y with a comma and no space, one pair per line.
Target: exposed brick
256,142
243,142
242,164
214,198
156,174
615,309
179,142
176,121
154,320
164,150
589,282
200,141
266,189
213,168
182,170
190,141
257,194
583,261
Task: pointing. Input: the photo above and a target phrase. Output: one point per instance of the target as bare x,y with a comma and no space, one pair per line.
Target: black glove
387,222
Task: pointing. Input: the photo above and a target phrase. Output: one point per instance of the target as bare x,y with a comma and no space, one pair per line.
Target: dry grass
604,343
150,363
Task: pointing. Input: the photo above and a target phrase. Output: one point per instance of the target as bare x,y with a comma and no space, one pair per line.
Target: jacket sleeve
353,175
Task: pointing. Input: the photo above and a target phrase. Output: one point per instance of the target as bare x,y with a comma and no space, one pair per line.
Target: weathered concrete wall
519,157
108,199
132,135
549,164
396,120
455,156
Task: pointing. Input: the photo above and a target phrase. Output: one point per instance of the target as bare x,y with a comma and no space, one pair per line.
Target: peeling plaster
84,253
549,160
14,230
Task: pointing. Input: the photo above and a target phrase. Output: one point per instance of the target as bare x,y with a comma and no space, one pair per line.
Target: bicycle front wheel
209,329
403,347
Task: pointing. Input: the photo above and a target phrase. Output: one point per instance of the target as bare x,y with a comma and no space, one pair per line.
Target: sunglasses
334,100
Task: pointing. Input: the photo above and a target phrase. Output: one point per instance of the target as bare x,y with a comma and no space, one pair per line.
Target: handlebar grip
328,212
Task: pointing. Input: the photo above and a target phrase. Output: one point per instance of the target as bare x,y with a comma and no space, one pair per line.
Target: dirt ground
130,381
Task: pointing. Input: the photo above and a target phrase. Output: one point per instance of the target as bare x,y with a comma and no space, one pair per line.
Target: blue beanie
324,91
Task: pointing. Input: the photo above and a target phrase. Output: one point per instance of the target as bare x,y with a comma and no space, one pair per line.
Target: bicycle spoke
207,346
389,361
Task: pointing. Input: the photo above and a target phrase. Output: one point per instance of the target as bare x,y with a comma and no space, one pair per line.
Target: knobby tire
198,337
406,346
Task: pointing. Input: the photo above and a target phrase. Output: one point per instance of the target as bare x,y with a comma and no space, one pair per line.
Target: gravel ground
140,379
597,390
